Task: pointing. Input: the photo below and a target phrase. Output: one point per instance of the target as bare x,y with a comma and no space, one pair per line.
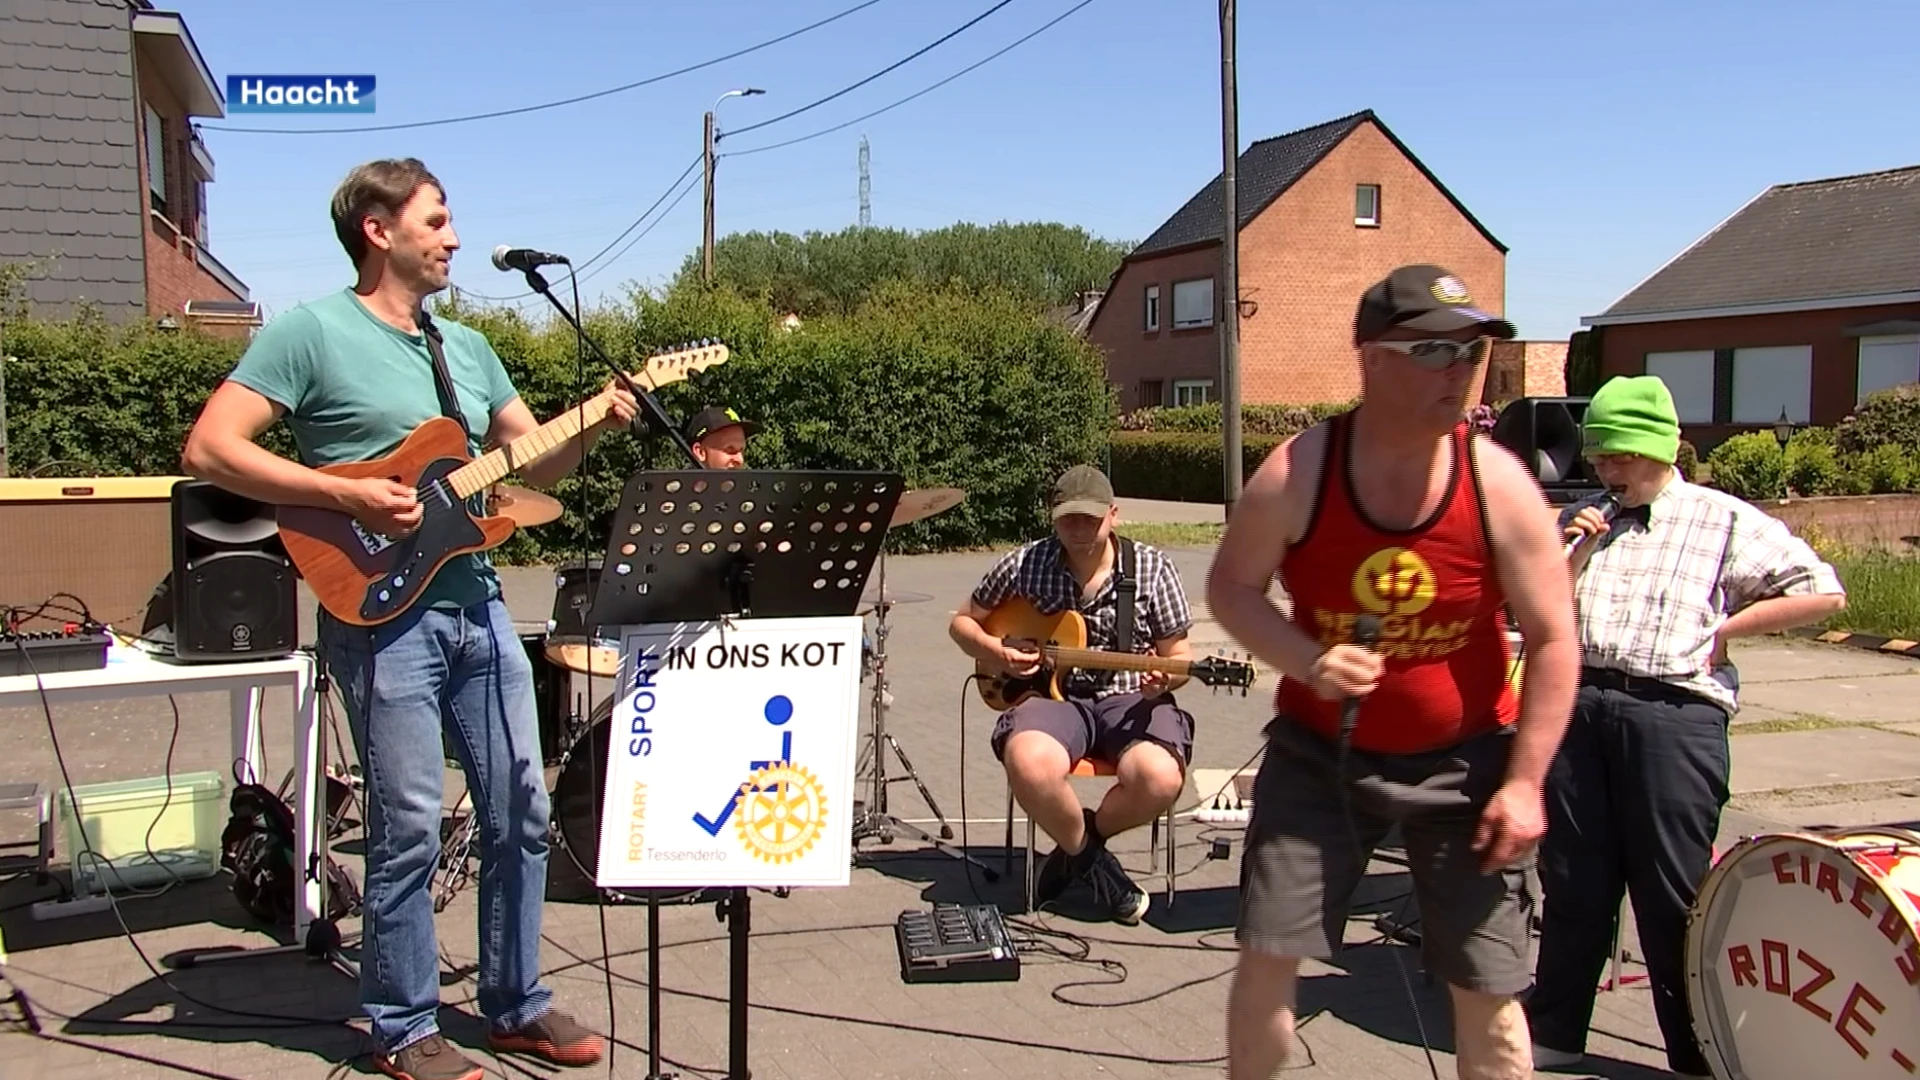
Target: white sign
732,755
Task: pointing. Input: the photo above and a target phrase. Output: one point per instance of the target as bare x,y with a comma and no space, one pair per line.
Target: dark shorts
1102,729
1301,866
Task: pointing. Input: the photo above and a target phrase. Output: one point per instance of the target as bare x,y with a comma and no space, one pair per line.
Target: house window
1768,380
156,160
1192,391
1689,378
1366,205
1152,392
1192,304
1153,308
1888,361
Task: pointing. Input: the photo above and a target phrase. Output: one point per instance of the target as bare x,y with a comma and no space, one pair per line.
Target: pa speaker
1544,433
234,592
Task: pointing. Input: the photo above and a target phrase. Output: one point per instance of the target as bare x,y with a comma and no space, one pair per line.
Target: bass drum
576,799
1803,959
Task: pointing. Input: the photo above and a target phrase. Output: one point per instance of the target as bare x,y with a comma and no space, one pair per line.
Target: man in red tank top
1395,517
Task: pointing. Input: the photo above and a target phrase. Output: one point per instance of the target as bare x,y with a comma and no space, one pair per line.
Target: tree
1039,265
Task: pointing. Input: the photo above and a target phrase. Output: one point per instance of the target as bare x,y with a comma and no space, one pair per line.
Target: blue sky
1595,140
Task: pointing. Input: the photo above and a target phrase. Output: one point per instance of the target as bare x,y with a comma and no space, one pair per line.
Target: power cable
1050,24
549,104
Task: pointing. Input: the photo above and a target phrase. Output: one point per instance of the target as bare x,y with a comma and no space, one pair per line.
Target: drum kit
573,741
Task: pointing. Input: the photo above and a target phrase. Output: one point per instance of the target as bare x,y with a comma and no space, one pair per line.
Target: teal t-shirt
354,388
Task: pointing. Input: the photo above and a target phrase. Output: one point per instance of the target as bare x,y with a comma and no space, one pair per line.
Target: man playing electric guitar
1124,717
353,373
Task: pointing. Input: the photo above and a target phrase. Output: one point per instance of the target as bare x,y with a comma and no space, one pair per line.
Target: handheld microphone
522,259
1366,634
1609,505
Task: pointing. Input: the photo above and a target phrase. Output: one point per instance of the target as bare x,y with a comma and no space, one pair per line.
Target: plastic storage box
134,845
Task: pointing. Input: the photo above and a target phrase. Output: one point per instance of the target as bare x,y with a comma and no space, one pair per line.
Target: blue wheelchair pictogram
778,711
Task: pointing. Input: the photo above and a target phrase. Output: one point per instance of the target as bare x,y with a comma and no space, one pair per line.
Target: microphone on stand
1609,505
506,258
1366,634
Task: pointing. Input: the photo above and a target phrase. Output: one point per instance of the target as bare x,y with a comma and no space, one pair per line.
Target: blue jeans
428,681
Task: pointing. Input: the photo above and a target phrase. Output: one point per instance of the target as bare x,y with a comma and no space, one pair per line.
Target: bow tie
1642,514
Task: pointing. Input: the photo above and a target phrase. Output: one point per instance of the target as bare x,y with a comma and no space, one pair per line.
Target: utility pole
3,413
866,185
706,227
1229,267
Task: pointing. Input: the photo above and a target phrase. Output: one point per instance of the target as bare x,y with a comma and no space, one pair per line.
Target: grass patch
1883,593
1172,534
1797,722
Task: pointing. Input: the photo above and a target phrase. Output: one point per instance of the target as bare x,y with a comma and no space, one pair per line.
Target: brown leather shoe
555,1037
428,1059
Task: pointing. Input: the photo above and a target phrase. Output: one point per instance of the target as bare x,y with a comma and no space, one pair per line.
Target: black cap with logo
712,419
1422,297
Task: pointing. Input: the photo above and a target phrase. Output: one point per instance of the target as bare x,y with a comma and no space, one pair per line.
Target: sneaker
1545,1057
555,1037
1115,890
428,1059
1056,873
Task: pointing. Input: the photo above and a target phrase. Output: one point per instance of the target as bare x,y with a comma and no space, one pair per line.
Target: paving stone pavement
1094,1000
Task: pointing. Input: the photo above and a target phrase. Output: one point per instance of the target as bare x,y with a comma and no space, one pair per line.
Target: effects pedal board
46,651
955,943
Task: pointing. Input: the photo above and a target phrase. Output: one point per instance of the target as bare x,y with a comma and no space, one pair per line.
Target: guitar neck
1115,661
495,465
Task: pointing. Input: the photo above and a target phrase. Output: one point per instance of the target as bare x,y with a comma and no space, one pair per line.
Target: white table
133,673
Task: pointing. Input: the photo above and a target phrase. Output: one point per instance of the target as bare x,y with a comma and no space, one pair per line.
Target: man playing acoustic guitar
353,374
1125,717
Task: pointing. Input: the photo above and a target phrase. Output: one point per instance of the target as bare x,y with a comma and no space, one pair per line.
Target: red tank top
1443,624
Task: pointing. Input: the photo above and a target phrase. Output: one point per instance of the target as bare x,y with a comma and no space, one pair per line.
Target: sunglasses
1439,354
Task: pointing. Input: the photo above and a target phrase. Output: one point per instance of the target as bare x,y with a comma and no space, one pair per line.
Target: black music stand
699,545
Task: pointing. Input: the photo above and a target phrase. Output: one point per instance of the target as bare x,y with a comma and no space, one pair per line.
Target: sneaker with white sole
1115,891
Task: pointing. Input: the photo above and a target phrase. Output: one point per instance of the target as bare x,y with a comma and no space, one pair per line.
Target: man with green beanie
1664,573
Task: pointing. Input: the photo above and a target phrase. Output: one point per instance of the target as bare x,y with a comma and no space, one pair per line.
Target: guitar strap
442,381
1124,587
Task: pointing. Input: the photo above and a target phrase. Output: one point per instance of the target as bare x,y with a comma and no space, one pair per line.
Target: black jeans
1633,804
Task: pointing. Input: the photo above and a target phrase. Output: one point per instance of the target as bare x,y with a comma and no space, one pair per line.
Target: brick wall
174,276
1135,354
1866,521
1836,356
69,179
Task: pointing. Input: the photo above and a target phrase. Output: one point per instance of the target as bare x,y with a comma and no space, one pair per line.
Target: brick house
1324,212
103,180
1522,368
1803,302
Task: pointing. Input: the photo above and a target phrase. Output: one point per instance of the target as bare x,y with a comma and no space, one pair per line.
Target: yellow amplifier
105,539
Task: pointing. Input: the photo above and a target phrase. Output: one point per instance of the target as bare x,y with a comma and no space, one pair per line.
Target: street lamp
706,228
1783,428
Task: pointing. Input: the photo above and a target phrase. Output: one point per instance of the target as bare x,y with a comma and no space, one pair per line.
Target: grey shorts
1303,862
1102,729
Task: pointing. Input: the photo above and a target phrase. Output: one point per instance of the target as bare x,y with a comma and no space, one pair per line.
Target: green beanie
1633,414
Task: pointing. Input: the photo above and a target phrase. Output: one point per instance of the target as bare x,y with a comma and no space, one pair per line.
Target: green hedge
1816,462
1281,420
966,390
1888,417
1179,466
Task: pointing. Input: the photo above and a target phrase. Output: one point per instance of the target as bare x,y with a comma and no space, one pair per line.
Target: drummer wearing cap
719,437
1398,512
1634,798
1127,718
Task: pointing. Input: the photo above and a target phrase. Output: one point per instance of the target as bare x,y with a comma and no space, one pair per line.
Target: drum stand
873,821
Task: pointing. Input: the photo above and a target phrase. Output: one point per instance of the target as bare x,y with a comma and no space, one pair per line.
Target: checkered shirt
1652,598
1038,573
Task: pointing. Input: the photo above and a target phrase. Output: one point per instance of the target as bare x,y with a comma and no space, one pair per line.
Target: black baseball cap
713,418
1422,297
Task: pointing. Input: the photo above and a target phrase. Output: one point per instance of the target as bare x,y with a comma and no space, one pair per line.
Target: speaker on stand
1545,434
233,594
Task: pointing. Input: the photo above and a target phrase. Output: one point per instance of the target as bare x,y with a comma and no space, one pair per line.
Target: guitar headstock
677,364
1219,671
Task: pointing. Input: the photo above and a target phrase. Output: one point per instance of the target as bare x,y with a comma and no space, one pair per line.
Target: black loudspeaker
1544,433
233,590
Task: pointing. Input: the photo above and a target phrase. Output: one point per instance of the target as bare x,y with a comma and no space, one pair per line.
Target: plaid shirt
1653,596
1038,573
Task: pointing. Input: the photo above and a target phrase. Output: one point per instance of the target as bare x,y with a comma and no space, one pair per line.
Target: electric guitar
1061,641
363,578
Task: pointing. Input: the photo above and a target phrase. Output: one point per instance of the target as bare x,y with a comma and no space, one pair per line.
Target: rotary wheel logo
1394,581
780,810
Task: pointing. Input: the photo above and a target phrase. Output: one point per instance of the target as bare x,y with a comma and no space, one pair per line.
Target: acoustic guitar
1061,641
364,578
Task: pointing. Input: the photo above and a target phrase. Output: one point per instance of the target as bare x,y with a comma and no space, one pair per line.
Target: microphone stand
648,403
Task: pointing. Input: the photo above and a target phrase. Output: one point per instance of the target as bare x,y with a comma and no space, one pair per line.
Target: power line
1044,27
550,104
943,39
684,192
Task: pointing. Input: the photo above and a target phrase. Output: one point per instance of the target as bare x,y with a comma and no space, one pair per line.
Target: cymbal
871,598
524,506
600,660
924,503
